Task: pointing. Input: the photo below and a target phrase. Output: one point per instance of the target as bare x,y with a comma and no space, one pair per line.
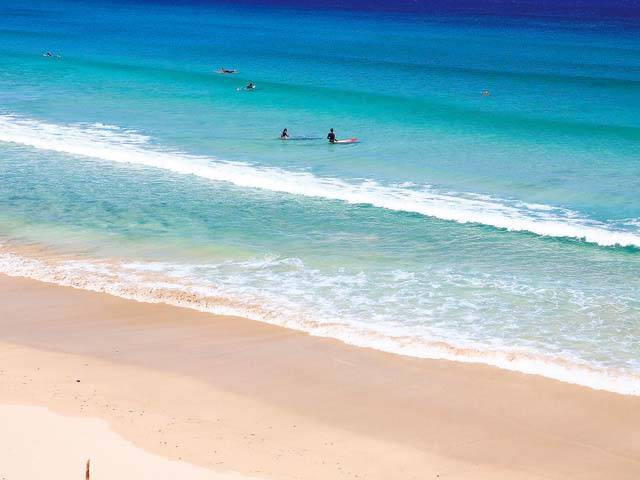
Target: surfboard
347,140
300,138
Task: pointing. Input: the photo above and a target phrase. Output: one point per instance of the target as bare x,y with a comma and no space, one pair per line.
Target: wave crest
125,146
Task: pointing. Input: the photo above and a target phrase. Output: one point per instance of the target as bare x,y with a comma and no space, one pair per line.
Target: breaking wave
114,144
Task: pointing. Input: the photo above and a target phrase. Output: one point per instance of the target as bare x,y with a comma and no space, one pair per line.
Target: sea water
500,227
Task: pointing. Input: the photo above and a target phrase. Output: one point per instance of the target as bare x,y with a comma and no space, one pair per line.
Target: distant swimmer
284,135
331,136
485,93
47,54
226,70
250,86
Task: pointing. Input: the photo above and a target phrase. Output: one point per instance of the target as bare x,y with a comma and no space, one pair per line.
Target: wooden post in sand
87,473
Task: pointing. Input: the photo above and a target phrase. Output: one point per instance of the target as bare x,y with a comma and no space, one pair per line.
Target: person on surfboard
331,136
284,135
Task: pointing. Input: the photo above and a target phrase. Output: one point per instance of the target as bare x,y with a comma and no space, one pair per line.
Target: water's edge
116,279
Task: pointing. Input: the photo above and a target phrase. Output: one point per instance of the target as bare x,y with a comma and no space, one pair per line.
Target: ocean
490,211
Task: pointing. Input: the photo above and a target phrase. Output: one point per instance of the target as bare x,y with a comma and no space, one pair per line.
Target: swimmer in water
331,136
284,135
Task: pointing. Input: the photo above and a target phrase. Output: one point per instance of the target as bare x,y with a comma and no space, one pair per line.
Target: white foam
155,282
124,146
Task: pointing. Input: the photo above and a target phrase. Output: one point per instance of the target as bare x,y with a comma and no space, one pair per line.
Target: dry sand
38,444
232,395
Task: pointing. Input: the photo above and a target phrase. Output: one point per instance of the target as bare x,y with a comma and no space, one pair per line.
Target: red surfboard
347,140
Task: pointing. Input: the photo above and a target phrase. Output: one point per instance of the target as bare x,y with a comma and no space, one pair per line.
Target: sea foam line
145,282
123,146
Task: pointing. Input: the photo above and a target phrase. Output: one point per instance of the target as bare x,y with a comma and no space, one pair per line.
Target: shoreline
110,277
297,406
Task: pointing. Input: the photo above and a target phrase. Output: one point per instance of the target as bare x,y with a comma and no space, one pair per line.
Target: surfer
284,135
48,54
331,136
225,70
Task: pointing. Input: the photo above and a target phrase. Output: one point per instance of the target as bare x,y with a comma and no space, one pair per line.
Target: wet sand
230,394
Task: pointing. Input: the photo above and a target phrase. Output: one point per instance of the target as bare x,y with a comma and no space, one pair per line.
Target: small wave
156,282
125,146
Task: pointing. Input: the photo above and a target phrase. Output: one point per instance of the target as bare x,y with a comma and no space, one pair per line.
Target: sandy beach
343,240
240,398
57,442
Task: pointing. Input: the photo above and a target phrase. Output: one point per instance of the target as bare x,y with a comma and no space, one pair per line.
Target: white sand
36,443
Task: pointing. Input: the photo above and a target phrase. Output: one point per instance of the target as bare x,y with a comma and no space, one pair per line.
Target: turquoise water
502,229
